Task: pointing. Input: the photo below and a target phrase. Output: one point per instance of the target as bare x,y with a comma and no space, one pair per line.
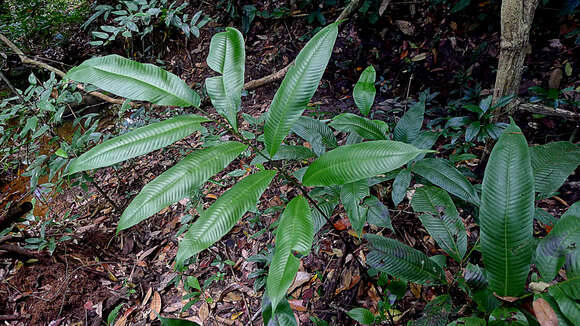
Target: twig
12,88
253,84
59,72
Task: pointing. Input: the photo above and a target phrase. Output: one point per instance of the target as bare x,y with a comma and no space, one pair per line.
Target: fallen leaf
147,296
203,312
419,57
508,299
415,289
297,305
155,306
544,312
405,27
300,279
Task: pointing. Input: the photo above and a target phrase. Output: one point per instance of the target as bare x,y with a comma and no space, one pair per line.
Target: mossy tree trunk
516,22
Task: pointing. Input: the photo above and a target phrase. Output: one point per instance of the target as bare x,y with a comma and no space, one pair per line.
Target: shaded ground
93,270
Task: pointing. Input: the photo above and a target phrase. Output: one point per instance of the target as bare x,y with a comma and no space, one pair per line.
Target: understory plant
337,172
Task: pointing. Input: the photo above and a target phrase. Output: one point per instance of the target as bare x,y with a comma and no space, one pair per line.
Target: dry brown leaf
300,279
123,320
203,312
297,305
508,299
544,312
147,296
155,306
416,290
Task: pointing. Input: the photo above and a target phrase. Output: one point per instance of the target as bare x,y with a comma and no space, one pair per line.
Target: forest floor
412,47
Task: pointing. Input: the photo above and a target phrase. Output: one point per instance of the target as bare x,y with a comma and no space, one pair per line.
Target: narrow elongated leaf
407,129
507,213
295,233
134,80
223,215
283,316
137,142
316,132
400,185
442,221
298,86
552,164
359,161
399,260
177,182
443,174
564,238
286,152
227,56
364,90
351,195
367,129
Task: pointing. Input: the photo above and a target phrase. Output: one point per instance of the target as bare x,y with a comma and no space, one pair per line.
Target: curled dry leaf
155,306
544,312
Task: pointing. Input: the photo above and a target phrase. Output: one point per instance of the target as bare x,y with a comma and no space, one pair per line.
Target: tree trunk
516,22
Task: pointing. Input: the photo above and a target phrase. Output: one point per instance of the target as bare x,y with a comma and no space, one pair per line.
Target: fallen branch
547,110
27,60
253,84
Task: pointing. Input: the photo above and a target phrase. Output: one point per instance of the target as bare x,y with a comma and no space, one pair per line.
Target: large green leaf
407,129
298,86
222,216
177,182
135,81
443,174
283,316
507,213
286,152
362,315
400,185
569,307
294,234
351,195
367,129
226,56
378,213
507,316
358,161
442,220
552,164
564,238
364,90
316,132
137,142
401,261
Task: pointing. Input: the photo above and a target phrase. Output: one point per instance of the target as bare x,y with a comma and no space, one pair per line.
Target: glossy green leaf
569,307
560,243
176,322
359,161
364,90
294,234
137,142
298,87
400,185
425,140
552,164
435,313
362,315
177,182
367,129
507,316
351,195
507,213
316,132
286,152
226,56
407,129
284,316
134,80
222,216
442,220
401,261
443,174
562,320
468,321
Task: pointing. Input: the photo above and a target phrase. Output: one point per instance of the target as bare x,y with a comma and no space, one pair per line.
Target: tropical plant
506,213
140,18
338,172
